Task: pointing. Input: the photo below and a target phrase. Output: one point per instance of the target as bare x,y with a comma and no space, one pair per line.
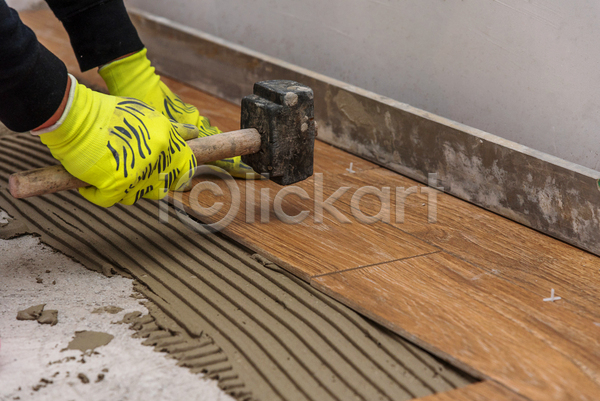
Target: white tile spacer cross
350,169
552,297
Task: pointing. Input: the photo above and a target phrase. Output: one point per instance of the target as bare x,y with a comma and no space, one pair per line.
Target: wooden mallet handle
51,179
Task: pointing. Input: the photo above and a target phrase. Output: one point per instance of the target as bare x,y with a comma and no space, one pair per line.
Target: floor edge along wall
543,192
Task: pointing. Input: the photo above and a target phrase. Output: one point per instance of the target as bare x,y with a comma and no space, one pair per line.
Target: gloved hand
134,76
120,146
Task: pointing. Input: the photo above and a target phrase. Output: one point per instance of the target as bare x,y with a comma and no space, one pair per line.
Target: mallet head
283,113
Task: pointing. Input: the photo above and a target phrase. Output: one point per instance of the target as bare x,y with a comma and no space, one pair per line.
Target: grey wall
526,70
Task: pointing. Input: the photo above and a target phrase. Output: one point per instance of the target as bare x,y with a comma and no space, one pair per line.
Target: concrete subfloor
30,353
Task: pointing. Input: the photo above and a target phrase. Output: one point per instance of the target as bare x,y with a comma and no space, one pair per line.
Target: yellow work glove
122,147
134,76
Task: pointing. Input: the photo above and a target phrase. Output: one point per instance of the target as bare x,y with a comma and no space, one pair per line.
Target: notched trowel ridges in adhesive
275,336
202,355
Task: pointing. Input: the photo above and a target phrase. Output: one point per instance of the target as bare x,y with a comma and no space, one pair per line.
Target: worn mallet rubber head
283,113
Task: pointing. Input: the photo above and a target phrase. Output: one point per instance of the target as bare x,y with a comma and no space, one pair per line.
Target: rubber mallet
277,139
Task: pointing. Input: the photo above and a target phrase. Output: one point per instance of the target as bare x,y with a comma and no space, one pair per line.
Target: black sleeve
100,30
32,79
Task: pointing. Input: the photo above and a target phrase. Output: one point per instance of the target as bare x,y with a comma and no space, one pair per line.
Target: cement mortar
281,338
32,366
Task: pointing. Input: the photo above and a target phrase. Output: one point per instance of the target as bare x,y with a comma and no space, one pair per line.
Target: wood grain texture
479,322
306,248
226,145
509,258
483,391
500,247
42,181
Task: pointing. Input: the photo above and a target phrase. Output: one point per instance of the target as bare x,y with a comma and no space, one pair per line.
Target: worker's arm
122,147
32,79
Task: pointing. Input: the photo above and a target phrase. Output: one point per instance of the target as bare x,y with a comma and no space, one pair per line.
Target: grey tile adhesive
261,332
